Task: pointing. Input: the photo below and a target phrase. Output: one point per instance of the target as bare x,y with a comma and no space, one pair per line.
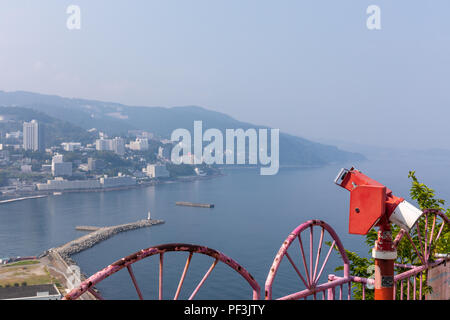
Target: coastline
42,194
28,195
59,259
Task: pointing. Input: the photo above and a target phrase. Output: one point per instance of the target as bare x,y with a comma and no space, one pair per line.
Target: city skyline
312,64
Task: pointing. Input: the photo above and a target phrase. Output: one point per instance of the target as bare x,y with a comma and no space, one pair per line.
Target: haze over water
253,215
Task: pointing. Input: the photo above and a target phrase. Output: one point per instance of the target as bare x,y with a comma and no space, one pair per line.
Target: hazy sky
311,68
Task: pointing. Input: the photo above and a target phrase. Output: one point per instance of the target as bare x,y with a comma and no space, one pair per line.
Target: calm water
253,214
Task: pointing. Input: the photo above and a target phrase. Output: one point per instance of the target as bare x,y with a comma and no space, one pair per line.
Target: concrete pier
22,198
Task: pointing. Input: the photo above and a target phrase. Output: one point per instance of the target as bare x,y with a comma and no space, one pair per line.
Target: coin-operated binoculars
373,205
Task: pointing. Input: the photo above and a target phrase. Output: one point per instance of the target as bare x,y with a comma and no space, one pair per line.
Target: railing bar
349,296
311,238
431,236
204,279
161,262
363,291
420,240
319,249
420,285
330,292
340,292
325,261
130,271
407,286
415,249
425,239
296,270
401,290
304,259
324,286
414,287
188,261
440,230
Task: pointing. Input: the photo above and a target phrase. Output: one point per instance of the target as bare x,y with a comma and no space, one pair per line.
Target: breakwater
59,259
102,233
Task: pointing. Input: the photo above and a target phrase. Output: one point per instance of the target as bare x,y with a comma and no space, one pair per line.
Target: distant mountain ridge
117,119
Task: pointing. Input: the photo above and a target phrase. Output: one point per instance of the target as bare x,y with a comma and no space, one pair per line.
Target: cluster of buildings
116,145
141,144
105,182
153,171
77,173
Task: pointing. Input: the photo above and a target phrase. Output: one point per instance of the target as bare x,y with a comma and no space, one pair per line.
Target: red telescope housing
373,204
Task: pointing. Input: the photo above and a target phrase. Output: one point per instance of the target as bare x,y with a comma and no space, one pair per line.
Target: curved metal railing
408,284
161,250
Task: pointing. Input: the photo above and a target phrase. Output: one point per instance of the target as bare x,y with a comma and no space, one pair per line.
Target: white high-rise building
32,136
117,145
103,145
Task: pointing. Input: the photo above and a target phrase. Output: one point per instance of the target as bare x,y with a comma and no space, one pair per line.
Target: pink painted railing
161,250
310,273
303,253
363,283
407,284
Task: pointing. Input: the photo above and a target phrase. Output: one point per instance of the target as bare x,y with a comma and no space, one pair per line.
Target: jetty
22,198
99,234
192,204
59,260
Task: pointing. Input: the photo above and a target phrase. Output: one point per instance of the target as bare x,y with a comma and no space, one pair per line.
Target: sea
251,218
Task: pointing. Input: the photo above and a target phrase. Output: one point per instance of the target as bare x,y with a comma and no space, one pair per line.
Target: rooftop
39,291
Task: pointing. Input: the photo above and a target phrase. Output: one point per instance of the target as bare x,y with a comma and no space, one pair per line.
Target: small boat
191,204
57,193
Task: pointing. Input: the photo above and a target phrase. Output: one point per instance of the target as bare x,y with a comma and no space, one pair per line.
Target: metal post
384,255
